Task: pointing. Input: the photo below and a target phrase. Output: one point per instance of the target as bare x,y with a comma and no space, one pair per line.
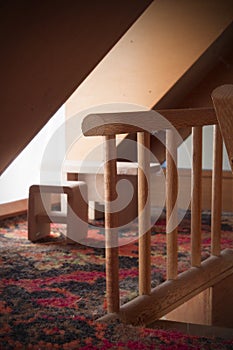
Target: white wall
207,151
25,170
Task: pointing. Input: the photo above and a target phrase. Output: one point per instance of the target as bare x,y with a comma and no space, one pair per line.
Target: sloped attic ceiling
47,50
162,57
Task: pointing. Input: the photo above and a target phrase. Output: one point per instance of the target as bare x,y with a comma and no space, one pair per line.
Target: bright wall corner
25,169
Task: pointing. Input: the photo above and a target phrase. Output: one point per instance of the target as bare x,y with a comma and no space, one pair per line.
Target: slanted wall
47,49
161,58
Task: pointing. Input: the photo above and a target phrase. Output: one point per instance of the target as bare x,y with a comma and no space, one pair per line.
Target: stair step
193,329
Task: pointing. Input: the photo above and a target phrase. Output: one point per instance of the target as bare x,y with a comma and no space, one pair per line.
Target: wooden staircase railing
152,304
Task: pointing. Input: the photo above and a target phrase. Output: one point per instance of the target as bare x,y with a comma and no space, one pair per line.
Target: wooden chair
40,213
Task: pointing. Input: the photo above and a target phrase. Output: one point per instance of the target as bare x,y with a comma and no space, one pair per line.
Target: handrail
103,124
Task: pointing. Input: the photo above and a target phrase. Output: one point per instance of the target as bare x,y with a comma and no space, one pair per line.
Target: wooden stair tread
193,329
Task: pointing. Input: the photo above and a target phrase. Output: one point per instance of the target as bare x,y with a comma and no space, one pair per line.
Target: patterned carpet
52,293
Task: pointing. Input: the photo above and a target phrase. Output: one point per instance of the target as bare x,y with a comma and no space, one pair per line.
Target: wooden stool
40,213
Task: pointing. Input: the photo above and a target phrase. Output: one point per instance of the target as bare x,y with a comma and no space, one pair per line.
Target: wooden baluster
111,234
171,205
216,206
222,98
143,139
196,196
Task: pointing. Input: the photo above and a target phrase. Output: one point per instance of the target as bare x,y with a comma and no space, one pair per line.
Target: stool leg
77,214
36,229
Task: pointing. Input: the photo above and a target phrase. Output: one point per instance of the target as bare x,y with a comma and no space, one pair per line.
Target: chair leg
76,216
37,230
77,213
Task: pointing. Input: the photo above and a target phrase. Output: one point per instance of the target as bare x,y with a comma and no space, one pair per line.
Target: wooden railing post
171,204
216,205
223,103
111,233
196,197
143,139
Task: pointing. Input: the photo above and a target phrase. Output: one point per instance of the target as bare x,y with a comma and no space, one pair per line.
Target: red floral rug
52,293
